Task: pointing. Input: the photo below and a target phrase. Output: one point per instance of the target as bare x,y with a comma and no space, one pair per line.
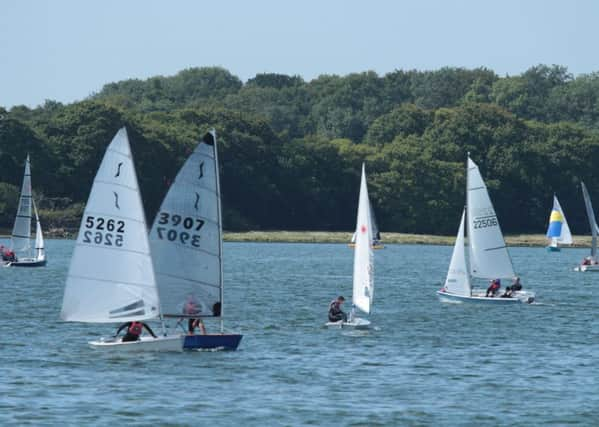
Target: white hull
584,268
519,297
355,323
144,344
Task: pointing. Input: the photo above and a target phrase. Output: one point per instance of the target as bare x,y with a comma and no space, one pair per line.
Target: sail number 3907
102,231
174,221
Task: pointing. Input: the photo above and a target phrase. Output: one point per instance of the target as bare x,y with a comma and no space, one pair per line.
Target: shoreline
530,240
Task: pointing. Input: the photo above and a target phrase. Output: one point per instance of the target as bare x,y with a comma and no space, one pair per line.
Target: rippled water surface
425,363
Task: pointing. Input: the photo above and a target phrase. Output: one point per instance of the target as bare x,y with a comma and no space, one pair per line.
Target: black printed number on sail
103,231
180,229
485,222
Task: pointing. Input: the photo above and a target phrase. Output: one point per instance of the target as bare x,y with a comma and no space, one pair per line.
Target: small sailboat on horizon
589,263
363,277
558,231
488,254
21,253
111,276
187,247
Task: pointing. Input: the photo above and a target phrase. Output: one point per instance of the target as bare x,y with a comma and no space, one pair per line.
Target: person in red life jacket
134,331
190,309
493,288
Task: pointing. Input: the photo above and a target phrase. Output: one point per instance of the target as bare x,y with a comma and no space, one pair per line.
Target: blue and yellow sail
558,230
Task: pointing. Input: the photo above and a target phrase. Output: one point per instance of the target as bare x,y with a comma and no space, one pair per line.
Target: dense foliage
291,150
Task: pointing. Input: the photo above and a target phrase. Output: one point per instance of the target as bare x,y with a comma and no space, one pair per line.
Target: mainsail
186,237
111,277
376,234
458,278
21,232
592,220
489,257
558,230
363,289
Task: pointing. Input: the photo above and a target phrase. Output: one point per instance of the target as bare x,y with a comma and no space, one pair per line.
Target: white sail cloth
186,238
458,277
489,257
363,287
592,220
111,277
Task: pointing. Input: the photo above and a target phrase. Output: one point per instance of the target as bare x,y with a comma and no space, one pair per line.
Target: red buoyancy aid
135,328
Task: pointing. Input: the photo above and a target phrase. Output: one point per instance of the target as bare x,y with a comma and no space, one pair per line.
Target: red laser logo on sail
363,229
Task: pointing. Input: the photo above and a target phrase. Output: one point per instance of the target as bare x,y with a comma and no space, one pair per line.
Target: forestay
363,289
458,278
592,220
111,277
489,257
558,229
21,232
186,238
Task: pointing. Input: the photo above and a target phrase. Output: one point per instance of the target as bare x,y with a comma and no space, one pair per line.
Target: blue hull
212,342
553,249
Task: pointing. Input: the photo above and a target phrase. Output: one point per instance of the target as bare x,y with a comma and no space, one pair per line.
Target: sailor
190,309
335,312
134,330
516,285
493,288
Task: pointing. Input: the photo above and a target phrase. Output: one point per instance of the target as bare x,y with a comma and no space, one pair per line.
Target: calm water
426,363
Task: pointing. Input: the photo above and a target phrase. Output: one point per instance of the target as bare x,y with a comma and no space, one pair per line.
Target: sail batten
363,278
111,269
489,257
186,238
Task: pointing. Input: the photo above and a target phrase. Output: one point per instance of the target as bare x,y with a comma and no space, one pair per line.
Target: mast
220,231
467,227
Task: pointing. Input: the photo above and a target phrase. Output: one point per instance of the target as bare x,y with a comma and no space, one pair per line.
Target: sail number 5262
102,231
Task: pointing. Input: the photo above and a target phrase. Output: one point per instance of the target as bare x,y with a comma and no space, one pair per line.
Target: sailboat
363,286
187,247
20,244
488,254
111,276
376,234
558,230
590,263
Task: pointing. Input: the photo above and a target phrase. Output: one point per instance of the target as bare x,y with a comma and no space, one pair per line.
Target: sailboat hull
27,263
375,247
481,299
144,344
553,248
585,268
355,323
212,342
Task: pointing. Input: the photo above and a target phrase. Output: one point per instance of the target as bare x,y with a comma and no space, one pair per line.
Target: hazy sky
65,50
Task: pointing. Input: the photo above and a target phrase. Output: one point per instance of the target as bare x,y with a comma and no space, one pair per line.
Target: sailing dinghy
363,287
488,254
187,247
20,241
558,231
590,263
376,234
111,276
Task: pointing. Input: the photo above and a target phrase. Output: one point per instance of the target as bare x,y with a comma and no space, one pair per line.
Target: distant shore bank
344,237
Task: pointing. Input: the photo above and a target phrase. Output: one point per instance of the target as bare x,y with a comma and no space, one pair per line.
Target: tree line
291,149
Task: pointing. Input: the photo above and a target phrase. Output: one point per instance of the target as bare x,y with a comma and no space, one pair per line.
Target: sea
423,363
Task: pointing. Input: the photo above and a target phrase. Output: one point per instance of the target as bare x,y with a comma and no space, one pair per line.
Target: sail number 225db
174,233
102,231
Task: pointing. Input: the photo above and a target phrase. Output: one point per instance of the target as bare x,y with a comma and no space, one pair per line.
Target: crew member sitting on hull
335,312
134,331
516,285
493,288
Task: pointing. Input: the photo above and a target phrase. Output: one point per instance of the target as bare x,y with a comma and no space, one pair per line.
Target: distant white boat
590,263
558,231
187,248
363,278
20,242
111,276
488,254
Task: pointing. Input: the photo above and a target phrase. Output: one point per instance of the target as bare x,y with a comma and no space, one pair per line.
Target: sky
65,50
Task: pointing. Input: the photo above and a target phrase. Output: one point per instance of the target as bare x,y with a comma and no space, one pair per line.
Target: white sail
458,278
592,221
186,237
111,277
363,289
21,232
489,257
40,253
